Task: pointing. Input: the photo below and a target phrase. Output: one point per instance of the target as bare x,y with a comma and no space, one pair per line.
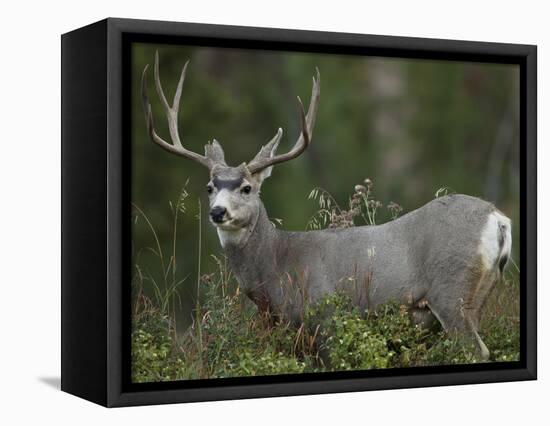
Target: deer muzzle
218,214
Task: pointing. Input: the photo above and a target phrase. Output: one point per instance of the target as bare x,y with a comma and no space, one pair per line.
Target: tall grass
229,337
165,287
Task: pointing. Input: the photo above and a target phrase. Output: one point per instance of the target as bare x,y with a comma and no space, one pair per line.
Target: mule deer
442,259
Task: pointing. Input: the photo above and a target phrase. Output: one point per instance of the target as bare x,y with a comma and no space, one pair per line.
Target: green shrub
451,349
381,338
154,357
233,339
230,338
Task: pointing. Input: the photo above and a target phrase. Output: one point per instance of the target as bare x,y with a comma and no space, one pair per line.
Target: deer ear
214,151
264,174
267,151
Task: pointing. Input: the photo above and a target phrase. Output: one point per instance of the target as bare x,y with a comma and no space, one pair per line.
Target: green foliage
383,338
503,340
233,339
349,340
154,356
236,339
451,349
268,363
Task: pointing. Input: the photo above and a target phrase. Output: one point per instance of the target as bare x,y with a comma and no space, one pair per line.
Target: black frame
95,211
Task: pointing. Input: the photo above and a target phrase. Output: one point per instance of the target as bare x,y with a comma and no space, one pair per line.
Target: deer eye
246,189
209,189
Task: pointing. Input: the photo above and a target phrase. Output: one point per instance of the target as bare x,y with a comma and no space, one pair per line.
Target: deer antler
172,115
265,159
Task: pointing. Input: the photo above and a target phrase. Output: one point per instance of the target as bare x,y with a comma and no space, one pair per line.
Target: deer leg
472,320
460,319
484,283
485,288
455,306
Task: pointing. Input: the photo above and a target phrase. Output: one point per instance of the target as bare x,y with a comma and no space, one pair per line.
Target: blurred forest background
411,126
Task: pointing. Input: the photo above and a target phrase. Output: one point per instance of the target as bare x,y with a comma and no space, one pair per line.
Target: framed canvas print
253,212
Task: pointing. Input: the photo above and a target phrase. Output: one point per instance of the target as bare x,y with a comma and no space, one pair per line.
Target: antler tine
307,122
171,114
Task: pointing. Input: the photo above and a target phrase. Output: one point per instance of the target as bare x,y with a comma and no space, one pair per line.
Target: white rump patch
498,227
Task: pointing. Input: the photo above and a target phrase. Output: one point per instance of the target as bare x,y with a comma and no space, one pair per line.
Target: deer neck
249,252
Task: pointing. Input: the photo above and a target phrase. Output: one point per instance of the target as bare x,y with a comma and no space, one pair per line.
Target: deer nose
217,213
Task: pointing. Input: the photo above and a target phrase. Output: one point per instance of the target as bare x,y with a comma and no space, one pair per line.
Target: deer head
233,191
